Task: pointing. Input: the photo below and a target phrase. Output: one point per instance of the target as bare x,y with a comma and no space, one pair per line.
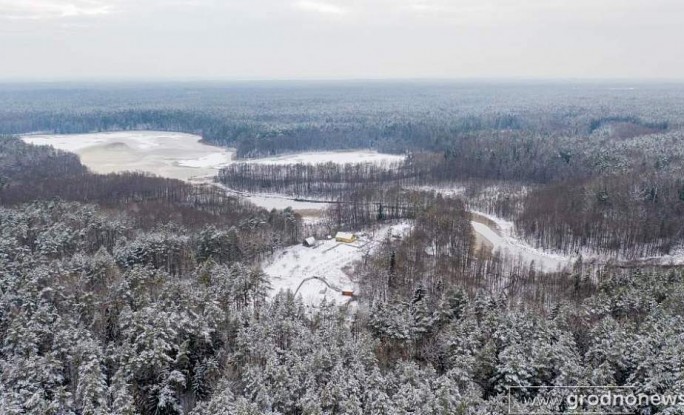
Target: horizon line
208,80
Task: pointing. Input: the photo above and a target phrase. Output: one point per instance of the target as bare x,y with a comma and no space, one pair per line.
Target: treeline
23,163
627,126
487,139
327,181
363,208
626,216
513,157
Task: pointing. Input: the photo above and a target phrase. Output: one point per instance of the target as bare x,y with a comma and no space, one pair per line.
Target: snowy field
294,266
166,154
339,157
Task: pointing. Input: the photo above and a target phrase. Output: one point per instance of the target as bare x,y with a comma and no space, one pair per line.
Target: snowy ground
320,157
292,266
676,258
275,201
166,154
502,238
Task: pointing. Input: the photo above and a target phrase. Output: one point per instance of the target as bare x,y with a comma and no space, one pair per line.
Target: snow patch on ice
216,160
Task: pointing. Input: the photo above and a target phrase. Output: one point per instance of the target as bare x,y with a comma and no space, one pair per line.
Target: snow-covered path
502,239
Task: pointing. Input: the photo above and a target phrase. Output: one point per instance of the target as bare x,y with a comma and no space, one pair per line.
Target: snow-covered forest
98,317
139,293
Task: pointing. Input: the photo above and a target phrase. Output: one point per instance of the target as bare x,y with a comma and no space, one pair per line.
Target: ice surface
166,154
215,160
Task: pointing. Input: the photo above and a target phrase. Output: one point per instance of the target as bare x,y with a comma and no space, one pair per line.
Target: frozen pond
166,154
309,210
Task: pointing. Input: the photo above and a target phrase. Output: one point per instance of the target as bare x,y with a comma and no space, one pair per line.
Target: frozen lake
166,154
178,155
183,156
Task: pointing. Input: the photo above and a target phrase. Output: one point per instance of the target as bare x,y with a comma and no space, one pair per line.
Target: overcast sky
340,39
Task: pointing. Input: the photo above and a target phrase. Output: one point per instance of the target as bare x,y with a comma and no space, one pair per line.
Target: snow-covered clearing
330,260
275,201
166,154
339,157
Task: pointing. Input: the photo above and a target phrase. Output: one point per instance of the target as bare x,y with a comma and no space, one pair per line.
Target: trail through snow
502,238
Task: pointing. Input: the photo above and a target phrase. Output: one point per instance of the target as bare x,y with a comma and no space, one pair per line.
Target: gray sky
331,39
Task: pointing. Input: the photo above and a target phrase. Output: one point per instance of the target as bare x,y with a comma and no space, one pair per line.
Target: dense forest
136,294
99,317
275,117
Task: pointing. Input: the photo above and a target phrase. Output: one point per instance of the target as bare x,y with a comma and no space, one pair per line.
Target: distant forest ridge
262,119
